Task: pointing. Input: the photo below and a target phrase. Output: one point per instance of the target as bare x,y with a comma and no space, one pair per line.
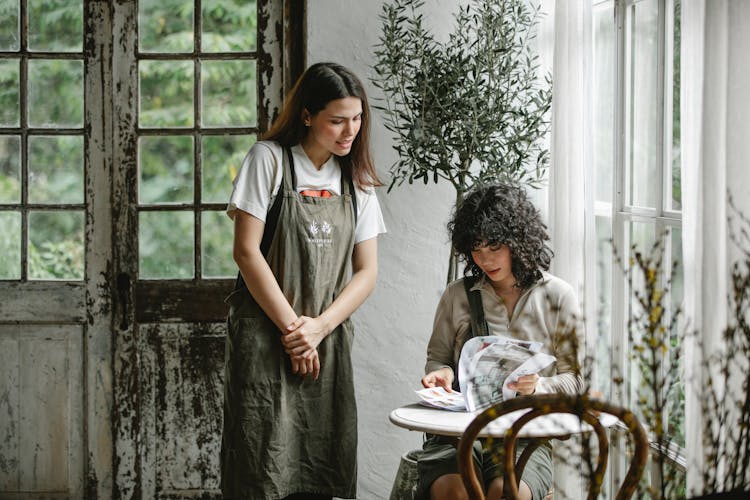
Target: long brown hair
318,85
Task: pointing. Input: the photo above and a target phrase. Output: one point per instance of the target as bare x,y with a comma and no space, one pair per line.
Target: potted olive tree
469,110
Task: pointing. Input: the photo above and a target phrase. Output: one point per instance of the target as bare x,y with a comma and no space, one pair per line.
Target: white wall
393,326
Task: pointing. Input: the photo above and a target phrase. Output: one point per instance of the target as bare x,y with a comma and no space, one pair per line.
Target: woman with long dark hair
306,221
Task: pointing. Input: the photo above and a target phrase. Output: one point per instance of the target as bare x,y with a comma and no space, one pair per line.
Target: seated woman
500,235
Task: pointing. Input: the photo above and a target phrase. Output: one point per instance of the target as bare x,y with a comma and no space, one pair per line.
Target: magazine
486,366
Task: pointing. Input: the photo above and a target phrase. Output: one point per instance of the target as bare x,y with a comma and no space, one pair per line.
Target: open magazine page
488,364
485,367
437,397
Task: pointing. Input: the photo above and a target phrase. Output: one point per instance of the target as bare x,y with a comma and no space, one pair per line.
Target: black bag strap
479,326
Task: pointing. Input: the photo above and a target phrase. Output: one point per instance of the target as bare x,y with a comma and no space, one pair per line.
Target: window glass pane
56,245
56,25
55,93
166,93
228,25
228,93
642,239
221,160
216,245
165,169
676,155
604,255
10,169
165,245
165,25
10,116
644,123
676,400
56,169
9,25
604,99
10,246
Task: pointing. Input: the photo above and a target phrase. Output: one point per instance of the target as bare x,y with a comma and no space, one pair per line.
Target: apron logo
320,233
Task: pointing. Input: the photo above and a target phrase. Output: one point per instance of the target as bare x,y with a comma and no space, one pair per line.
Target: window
637,171
41,142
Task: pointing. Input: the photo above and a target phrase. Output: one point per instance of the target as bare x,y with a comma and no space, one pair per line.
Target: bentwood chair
582,406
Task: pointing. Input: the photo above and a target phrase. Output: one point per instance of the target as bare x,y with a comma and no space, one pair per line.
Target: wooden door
122,124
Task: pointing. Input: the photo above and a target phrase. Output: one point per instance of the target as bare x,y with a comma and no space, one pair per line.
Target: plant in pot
469,110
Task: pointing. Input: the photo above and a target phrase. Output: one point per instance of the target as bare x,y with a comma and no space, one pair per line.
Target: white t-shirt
260,176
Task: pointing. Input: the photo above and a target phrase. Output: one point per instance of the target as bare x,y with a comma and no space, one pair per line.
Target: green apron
283,433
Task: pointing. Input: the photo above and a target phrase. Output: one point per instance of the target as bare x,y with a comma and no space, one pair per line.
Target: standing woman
306,221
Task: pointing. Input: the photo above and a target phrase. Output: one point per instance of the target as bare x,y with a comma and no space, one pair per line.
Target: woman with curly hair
499,233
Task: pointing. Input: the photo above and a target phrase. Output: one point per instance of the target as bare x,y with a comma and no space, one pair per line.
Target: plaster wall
393,326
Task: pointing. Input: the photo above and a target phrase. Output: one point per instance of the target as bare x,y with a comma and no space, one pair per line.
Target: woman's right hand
305,366
439,378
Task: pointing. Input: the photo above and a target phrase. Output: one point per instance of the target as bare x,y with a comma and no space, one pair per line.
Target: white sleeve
257,181
369,216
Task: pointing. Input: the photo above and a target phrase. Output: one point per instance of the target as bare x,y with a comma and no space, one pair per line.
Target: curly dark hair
502,214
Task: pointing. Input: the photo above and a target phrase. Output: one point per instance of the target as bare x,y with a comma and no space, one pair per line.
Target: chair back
585,408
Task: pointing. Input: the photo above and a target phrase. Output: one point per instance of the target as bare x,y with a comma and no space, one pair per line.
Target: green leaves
469,110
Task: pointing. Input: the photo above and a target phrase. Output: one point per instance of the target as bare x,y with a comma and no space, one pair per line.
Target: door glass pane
604,99
10,169
55,93
10,115
165,245
56,169
165,25
216,245
165,169
221,160
228,93
166,89
644,89
56,245
10,245
9,39
56,25
228,25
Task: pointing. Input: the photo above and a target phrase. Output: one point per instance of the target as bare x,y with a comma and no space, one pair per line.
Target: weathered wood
182,374
42,302
160,301
45,378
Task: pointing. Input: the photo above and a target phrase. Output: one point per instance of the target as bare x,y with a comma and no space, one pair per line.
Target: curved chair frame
582,406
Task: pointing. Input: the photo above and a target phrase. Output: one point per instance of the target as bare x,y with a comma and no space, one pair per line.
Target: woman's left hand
304,335
525,385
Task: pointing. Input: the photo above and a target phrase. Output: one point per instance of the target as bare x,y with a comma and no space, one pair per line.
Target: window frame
620,213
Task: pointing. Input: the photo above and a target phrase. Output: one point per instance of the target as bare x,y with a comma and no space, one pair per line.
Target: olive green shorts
439,458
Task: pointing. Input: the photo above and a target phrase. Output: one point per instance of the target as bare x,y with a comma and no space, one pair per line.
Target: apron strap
272,218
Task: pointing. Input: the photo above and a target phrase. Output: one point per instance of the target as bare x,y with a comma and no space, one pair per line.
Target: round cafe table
417,417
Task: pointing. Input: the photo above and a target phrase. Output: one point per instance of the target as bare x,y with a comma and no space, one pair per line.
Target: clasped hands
301,340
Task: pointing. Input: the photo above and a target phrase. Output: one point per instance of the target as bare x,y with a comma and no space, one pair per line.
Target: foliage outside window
191,143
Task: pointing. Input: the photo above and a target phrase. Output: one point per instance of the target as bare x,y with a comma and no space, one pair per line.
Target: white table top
417,417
